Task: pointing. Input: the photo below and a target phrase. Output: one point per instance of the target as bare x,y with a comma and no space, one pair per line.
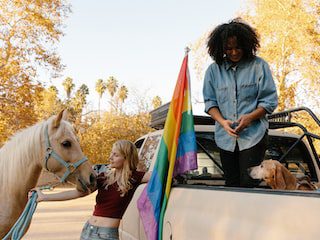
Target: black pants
235,164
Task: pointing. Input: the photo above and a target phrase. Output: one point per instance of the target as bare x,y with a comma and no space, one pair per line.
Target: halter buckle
71,168
48,153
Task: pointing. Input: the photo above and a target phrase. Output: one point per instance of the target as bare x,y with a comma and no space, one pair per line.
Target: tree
48,103
68,86
156,102
17,108
80,99
98,136
140,102
25,26
29,32
290,40
200,55
100,89
290,43
112,86
123,93
77,103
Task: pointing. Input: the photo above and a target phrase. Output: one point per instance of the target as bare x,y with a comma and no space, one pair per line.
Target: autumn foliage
97,136
31,29
290,43
29,33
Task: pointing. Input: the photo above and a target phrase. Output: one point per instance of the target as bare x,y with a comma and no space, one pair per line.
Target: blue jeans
91,232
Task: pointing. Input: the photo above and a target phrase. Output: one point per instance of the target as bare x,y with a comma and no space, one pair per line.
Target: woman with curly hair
238,92
115,187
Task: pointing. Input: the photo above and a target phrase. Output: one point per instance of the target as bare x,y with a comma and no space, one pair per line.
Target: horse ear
57,120
65,115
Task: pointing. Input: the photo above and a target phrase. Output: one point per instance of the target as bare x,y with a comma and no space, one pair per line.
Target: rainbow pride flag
177,154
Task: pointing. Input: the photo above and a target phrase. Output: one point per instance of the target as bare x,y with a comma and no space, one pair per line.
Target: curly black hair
247,39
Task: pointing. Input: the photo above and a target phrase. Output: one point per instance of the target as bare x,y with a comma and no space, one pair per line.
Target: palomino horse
51,144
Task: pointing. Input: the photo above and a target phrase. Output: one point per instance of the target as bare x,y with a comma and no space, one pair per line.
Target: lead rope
19,228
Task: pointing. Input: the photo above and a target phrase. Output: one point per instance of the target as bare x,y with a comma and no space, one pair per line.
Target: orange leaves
289,40
29,31
98,136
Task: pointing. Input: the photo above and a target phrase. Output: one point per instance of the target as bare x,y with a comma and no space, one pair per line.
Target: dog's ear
290,180
279,178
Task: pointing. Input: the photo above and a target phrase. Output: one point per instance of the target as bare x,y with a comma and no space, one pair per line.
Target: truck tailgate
200,212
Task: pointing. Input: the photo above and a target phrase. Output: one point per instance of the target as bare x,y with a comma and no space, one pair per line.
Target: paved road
60,220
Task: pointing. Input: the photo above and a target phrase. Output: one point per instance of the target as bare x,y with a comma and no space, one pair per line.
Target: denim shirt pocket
248,92
222,95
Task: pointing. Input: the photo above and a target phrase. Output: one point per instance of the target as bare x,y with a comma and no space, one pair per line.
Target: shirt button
91,227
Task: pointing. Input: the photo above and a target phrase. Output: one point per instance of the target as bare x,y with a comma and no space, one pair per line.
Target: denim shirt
237,91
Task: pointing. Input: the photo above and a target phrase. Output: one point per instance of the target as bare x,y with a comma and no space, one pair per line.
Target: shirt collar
229,65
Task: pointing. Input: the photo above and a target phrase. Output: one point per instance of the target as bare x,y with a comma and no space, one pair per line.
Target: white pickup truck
201,207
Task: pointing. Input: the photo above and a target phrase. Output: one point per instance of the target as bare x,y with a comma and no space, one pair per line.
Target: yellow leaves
156,102
28,27
199,53
289,40
47,103
28,31
311,126
98,137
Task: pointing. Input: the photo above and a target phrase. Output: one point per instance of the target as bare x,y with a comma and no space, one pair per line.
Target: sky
139,42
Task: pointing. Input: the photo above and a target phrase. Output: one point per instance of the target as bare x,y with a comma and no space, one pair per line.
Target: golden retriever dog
278,177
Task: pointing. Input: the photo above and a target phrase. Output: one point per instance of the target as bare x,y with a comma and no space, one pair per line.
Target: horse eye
66,144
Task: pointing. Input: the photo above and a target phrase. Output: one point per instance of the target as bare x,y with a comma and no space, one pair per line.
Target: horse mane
16,156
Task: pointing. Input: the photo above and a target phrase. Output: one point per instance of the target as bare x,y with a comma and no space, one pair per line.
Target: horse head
64,156
51,144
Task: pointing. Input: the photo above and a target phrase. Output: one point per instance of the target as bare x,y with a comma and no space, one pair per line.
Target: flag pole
176,136
153,200
173,151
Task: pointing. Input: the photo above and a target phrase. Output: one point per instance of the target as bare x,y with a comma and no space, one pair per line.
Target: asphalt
61,220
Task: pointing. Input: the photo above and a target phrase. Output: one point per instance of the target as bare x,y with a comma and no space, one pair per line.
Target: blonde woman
115,188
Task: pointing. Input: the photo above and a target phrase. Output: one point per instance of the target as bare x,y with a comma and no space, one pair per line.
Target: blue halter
18,229
71,167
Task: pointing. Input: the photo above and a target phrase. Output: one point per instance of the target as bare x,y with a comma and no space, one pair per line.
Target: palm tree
78,102
68,86
122,95
100,88
84,90
112,86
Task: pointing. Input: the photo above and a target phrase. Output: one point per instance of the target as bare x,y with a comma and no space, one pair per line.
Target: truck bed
218,212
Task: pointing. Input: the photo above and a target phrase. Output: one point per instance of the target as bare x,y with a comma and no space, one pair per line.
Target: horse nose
92,179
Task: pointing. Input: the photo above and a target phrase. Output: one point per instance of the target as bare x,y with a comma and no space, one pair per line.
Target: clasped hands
234,128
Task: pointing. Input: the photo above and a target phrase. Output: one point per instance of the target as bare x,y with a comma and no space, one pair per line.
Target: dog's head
274,174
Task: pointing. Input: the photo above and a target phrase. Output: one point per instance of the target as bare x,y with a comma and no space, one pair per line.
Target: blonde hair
129,152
